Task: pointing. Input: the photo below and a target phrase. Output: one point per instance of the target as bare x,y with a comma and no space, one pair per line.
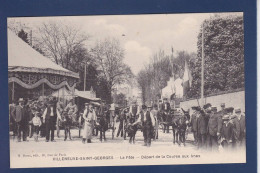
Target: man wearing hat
242,123
236,128
160,105
226,132
29,113
20,120
12,118
221,114
122,119
72,110
49,118
59,106
223,106
90,119
148,122
134,110
203,117
194,123
155,113
214,129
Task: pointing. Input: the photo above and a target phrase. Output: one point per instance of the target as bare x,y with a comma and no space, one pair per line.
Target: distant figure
112,114
122,120
241,138
12,118
58,124
166,114
134,110
72,110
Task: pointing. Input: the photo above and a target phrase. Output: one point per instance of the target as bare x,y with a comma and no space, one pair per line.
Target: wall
235,99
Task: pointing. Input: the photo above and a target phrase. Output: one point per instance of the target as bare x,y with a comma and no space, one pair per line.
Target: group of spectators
38,118
212,128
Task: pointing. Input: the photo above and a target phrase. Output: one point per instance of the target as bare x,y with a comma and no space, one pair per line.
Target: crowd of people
210,128
31,118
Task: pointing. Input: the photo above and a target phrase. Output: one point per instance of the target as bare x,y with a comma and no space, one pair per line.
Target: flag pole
202,67
85,71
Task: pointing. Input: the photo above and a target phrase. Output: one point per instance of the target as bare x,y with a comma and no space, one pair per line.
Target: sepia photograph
124,90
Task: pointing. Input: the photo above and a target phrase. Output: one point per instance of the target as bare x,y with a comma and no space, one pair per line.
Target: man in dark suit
49,118
148,123
221,114
226,132
122,119
12,118
242,130
202,126
160,105
194,123
29,114
214,129
20,120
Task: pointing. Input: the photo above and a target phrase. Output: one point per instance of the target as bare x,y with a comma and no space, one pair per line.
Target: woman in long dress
89,117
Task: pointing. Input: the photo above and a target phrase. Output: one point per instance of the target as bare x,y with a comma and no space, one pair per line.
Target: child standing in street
36,125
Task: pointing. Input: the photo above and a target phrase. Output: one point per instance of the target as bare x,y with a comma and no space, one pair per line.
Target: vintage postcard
117,90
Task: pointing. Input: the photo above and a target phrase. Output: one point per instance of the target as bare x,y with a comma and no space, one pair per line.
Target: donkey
130,129
102,126
179,126
66,123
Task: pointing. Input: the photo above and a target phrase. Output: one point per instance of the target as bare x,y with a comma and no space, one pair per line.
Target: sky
140,36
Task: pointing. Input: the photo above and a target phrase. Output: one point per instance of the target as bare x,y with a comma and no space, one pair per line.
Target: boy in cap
36,121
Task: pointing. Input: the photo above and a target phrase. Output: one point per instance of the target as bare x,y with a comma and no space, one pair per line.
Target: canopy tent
86,95
64,94
30,69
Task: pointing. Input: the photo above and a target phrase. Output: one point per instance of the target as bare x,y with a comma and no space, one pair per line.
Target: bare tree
109,57
60,42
